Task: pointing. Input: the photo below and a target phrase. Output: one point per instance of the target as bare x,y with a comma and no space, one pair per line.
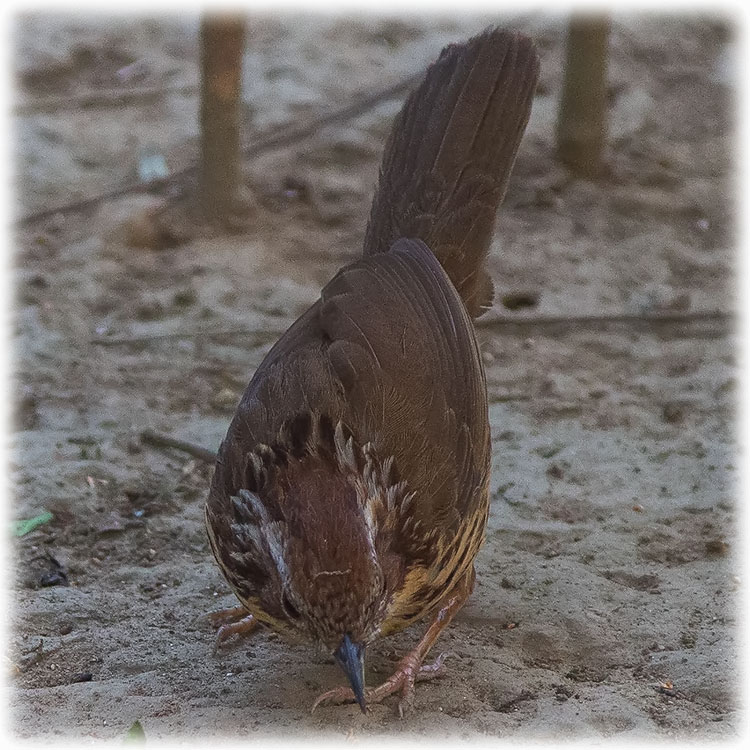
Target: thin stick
285,136
503,398
164,441
584,321
598,321
262,336
107,98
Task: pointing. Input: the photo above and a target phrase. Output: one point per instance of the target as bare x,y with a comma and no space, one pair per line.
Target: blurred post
222,40
582,117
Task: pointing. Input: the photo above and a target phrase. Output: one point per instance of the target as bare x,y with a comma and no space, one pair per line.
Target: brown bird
351,492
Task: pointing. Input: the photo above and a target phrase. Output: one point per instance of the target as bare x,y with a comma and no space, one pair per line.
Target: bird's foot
410,669
408,672
230,622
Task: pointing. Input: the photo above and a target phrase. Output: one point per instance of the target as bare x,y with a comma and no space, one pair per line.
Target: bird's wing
404,349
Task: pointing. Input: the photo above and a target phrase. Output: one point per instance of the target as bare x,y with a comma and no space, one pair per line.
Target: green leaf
135,733
25,525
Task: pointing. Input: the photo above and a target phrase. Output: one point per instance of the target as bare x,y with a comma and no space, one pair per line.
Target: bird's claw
334,697
402,680
232,621
429,671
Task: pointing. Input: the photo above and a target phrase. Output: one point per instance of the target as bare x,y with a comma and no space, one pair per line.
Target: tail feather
450,153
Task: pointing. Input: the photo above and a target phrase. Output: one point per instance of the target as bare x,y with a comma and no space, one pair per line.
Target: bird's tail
450,153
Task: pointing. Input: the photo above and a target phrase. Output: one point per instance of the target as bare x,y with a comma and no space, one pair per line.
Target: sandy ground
609,569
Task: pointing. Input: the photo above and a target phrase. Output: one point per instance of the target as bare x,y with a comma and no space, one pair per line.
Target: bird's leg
410,669
232,621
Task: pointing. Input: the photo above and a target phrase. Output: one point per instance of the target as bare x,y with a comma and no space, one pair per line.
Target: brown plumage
350,496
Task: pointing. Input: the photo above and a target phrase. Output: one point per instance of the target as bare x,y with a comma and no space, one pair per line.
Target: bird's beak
351,658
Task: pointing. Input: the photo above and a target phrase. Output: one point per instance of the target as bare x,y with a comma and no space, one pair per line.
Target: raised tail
450,153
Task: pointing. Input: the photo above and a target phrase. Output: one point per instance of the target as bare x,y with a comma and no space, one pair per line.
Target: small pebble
672,413
555,472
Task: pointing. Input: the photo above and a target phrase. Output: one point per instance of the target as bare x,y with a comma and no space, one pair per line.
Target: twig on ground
503,398
286,136
584,321
597,321
262,336
164,441
105,98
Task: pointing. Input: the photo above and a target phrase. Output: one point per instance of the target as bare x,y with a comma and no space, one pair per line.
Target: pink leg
409,669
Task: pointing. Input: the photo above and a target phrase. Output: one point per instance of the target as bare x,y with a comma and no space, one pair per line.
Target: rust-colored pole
582,116
222,41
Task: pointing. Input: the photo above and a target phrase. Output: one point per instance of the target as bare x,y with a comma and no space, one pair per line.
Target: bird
350,496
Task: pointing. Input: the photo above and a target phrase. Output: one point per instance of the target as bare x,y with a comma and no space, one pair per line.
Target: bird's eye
289,608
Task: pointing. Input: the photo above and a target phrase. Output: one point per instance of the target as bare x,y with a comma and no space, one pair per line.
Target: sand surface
610,566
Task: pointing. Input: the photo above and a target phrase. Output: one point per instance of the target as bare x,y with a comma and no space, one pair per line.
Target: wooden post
582,116
222,39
